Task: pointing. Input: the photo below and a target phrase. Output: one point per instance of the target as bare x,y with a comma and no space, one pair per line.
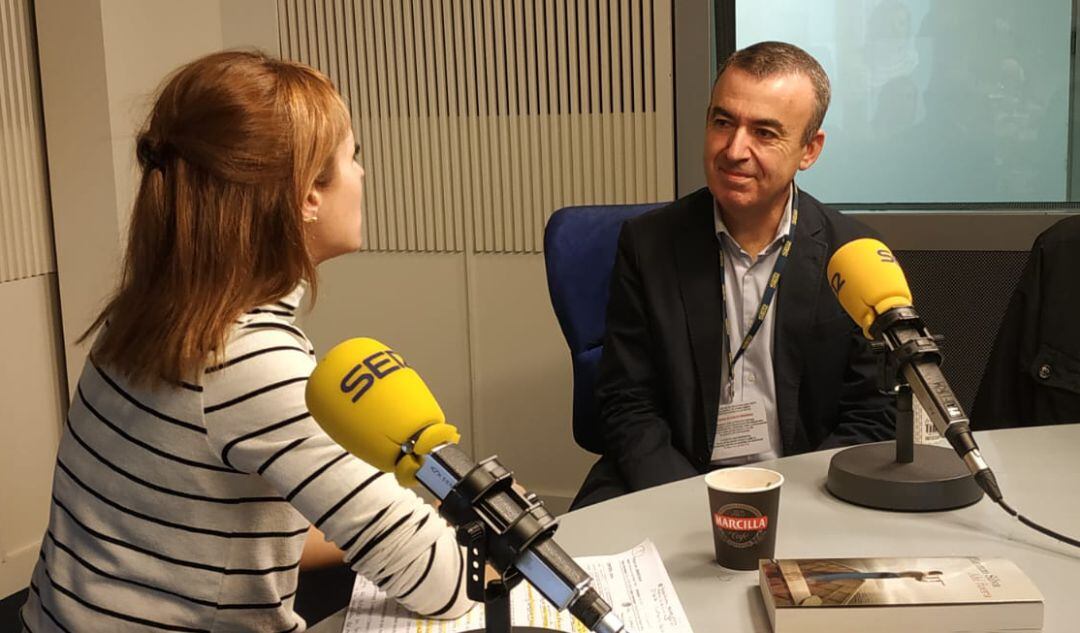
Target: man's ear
312,204
812,150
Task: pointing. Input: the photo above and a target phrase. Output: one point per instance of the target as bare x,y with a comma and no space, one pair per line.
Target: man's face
754,138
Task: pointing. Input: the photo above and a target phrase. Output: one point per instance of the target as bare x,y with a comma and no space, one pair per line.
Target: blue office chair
579,253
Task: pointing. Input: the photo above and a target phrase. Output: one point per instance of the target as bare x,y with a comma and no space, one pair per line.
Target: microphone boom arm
518,532
919,359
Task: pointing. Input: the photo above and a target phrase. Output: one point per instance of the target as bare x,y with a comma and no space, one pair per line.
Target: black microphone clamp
509,534
914,343
511,530
917,359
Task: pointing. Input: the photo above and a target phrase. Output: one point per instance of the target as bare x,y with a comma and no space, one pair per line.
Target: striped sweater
186,508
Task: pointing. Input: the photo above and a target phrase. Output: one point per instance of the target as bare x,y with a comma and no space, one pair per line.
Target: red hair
234,143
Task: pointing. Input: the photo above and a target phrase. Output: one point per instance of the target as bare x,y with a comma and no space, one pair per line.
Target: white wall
522,379
32,404
82,185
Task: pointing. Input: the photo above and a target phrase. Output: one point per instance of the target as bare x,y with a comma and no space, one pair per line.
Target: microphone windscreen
867,281
368,400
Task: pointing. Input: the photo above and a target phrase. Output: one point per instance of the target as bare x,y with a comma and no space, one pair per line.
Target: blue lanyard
766,297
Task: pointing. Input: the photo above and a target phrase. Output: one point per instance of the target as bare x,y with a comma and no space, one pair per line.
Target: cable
1035,526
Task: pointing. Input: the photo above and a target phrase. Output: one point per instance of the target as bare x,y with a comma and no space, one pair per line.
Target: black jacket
658,386
1033,376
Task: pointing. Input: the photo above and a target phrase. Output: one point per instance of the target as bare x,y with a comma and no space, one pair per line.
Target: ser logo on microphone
836,282
375,367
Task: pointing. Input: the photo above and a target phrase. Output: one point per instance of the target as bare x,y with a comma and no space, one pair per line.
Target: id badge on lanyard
742,427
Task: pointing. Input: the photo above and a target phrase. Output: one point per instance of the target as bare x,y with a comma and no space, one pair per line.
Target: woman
190,471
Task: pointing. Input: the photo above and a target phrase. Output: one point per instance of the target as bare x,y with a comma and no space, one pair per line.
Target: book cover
899,594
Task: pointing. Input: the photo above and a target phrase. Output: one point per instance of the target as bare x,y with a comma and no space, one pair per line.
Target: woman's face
337,207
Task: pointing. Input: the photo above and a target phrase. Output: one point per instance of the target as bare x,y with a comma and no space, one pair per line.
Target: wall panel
478,119
25,228
32,405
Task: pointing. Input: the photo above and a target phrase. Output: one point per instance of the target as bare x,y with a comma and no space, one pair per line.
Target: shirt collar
285,308
782,229
292,300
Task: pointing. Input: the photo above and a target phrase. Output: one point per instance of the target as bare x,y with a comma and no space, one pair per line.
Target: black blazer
658,386
1033,375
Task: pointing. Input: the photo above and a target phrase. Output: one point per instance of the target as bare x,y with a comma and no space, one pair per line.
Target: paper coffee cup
743,505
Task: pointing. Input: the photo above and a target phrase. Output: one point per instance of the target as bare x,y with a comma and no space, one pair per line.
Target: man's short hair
768,59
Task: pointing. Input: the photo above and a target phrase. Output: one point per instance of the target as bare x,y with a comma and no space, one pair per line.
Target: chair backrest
579,253
963,295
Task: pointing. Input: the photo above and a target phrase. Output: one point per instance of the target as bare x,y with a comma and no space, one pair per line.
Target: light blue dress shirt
745,280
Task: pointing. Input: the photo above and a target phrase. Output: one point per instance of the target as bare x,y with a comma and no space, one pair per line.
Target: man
1033,375
678,394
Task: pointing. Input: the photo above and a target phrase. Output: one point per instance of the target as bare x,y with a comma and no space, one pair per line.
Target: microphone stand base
497,610
869,475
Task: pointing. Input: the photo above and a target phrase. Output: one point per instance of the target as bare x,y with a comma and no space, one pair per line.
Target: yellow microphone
368,400
872,289
867,281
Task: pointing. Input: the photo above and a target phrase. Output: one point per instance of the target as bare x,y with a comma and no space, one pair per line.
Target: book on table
887,595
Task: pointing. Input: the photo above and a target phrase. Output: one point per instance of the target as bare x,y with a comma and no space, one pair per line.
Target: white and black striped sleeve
258,423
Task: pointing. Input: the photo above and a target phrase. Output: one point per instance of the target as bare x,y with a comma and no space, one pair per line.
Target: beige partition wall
476,120
75,81
25,229
101,61
31,374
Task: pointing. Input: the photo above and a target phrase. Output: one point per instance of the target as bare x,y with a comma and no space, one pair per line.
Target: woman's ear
312,203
